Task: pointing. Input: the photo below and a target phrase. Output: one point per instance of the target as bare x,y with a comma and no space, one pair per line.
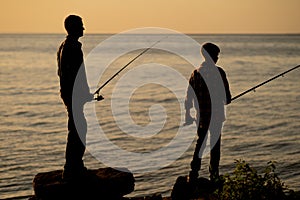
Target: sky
186,16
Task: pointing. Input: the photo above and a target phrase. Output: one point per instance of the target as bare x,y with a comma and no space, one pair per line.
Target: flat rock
103,183
183,189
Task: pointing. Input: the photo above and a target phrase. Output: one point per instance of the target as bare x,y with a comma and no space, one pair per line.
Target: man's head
213,51
74,25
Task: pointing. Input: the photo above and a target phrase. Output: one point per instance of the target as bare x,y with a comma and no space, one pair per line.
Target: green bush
246,184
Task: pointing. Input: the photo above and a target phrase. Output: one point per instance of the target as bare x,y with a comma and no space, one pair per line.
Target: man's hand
98,97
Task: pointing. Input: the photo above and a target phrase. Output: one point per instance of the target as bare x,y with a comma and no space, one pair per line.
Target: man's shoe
74,175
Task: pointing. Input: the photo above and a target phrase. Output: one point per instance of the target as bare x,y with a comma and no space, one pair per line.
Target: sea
261,126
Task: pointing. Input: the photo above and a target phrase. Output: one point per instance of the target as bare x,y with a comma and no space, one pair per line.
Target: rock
152,197
103,183
183,189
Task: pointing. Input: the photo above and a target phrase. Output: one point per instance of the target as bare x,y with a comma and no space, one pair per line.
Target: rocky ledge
110,184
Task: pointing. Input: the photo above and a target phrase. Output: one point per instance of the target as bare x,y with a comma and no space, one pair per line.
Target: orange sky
187,16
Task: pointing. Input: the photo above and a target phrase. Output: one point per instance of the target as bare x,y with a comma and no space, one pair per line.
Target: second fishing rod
264,82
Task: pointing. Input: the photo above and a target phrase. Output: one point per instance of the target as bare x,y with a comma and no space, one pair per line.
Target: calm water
260,126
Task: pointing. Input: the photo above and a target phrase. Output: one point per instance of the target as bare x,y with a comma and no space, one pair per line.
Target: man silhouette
70,59
206,86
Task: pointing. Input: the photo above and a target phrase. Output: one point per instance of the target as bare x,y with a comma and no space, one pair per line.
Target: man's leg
75,148
196,162
215,153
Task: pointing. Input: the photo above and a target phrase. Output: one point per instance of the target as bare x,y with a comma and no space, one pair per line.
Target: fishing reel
98,97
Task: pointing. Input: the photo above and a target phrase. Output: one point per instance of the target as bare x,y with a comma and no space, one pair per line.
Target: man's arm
73,69
188,104
226,86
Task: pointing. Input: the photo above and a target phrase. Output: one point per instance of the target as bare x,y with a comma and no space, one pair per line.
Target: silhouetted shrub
246,184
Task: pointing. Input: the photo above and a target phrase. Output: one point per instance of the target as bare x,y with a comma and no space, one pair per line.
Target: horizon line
192,33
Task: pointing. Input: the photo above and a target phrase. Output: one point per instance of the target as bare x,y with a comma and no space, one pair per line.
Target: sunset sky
187,16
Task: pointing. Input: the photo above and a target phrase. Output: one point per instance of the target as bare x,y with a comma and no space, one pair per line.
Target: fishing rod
99,97
263,83
249,90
